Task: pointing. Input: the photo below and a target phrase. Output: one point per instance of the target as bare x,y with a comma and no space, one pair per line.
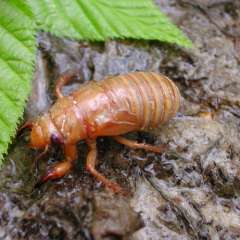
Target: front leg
58,170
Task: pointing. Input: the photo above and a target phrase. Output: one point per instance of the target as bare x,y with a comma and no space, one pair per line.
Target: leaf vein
8,97
86,10
65,15
104,17
10,67
15,37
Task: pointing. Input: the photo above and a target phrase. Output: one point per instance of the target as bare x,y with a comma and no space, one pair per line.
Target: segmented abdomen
117,105
153,98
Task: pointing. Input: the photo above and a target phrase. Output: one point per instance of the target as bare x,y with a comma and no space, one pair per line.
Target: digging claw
58,171
51,174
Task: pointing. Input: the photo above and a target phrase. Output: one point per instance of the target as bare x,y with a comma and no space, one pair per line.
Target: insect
111,107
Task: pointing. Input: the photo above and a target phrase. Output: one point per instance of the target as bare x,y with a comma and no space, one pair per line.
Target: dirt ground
191,191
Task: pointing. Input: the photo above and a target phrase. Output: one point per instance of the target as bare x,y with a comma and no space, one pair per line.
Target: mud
191,191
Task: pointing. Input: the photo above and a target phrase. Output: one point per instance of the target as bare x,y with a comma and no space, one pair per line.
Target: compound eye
55,139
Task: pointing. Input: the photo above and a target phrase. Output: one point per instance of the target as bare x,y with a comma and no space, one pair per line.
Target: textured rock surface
189,192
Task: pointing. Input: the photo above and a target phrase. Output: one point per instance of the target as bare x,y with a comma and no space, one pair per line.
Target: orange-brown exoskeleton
111,107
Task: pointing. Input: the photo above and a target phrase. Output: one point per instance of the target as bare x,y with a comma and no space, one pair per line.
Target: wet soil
191,191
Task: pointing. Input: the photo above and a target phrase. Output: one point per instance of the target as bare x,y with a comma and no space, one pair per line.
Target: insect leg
134,144
91,162
60,169
61,81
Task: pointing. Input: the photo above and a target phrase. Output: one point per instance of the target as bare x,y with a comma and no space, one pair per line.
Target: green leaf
103,19
17,53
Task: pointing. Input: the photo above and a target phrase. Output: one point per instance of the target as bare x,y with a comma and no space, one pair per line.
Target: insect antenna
38,157
28,124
